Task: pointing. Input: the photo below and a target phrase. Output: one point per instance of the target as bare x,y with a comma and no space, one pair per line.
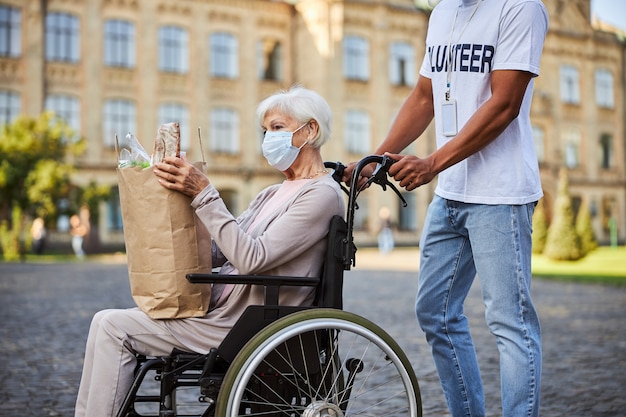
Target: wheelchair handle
379,176
338,170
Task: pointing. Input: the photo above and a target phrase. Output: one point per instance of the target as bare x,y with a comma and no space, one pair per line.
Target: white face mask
278,150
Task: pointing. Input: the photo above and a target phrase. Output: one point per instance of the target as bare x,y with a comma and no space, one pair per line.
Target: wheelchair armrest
265,280
271,283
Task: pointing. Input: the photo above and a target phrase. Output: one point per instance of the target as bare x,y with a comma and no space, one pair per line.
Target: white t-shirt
501,35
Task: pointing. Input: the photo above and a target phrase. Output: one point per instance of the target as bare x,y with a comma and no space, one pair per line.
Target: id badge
448,117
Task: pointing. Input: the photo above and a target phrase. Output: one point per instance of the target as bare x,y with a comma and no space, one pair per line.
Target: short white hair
303,105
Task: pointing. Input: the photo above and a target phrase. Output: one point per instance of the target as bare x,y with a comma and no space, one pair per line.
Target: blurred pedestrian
385,236
78,231
38,233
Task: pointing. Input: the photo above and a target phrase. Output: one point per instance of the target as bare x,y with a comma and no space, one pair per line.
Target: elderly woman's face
283,139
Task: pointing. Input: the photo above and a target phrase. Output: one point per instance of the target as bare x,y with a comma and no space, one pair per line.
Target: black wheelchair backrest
330,289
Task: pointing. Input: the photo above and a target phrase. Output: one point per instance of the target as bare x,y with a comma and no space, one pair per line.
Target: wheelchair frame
309,361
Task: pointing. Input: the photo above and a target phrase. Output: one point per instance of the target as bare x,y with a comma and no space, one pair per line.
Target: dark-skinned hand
410,171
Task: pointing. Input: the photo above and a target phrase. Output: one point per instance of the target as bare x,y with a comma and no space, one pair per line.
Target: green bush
584,230
562,242
10,238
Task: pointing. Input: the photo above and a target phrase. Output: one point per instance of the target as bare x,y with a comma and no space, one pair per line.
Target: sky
610,11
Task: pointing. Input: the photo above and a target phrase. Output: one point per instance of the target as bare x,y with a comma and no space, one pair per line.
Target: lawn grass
603,265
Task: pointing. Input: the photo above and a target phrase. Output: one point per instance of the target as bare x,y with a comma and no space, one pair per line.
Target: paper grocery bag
164,242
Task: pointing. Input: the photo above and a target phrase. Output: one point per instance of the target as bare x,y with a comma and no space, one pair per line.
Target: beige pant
114,337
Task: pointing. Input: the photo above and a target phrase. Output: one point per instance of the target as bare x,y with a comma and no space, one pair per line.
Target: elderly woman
283,232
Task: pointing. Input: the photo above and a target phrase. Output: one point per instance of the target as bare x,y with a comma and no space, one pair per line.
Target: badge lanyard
456,14
448,106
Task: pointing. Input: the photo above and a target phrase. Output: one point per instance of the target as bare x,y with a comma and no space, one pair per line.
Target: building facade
109,67
578,115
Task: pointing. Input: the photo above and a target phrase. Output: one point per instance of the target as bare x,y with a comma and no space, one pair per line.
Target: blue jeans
461,241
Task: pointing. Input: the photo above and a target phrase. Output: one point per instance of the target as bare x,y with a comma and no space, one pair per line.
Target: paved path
46,310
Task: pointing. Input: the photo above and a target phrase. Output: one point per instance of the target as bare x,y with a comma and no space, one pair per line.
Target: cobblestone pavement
46,310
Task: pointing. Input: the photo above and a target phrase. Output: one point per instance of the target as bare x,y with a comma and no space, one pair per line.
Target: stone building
115,66
578,115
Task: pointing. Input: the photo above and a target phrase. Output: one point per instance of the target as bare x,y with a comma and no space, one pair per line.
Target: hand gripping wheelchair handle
380,177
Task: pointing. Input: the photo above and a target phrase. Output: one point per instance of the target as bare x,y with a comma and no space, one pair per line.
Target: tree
33,174
563,242
11,238
585,230
540,228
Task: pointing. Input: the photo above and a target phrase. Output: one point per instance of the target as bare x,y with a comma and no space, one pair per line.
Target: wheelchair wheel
320,363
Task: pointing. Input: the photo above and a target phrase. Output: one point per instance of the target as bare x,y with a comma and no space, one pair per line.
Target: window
224,131
10,31
10,106
66,108
357,132
356,58
606,151
402,64
173,50
269,60
572,143
119,119
538,137
119,44
604,88
224,55
570,91
114,210
173,112
62,37
608,214
576,202
407,215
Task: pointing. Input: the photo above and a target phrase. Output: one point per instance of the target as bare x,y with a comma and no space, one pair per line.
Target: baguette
167,142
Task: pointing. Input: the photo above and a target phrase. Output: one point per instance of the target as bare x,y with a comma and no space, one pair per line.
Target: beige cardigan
290,242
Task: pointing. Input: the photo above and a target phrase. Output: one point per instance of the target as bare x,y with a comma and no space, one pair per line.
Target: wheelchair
287,361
